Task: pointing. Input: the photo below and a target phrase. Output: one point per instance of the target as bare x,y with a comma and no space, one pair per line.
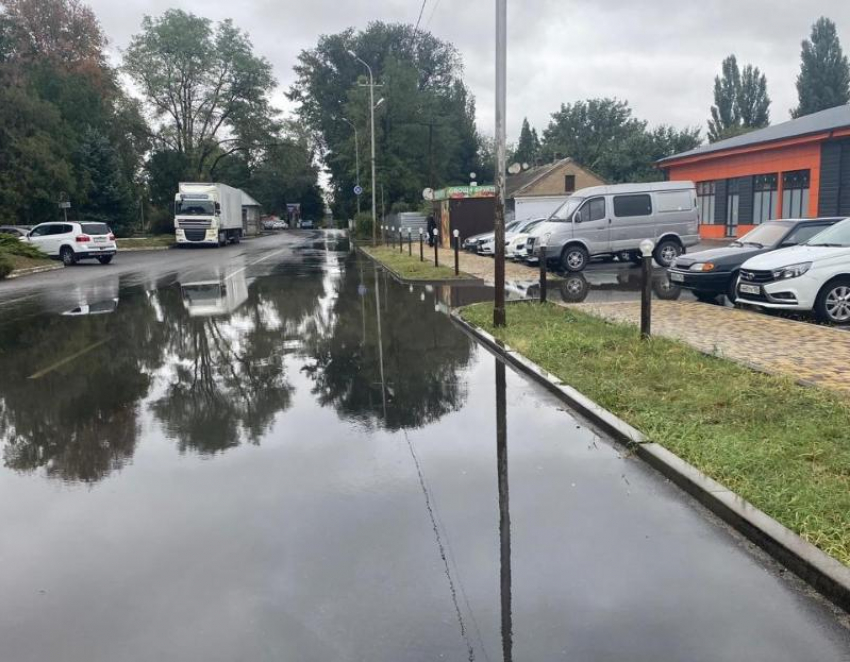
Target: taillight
82,238
111,237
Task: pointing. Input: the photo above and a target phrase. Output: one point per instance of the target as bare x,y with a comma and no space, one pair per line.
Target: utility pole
356,156
501,103
372,118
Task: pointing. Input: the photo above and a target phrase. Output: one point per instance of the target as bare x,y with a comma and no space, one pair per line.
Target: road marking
255,262
70,358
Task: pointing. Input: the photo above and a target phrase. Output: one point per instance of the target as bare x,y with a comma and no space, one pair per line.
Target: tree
205,85
108,195
824,79
741,102
528,148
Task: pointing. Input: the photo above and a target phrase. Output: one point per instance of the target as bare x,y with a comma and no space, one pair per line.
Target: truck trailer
207,214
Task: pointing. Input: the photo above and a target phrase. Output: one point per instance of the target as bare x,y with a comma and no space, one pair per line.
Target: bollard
543,284
646,247
409,243
421,247
383,234
436,248
456,233
400,240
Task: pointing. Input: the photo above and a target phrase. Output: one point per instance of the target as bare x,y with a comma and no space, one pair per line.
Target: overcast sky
660,55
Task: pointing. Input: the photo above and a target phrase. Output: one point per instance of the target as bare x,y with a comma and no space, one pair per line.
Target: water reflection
504,513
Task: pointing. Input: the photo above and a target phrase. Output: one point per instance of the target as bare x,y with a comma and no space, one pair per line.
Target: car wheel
105,259
732,290
574,258
222,239
67,256
666,252
833,302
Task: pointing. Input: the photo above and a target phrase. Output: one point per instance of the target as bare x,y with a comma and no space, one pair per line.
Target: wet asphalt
274,451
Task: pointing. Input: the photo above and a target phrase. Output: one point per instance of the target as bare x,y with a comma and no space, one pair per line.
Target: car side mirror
577,217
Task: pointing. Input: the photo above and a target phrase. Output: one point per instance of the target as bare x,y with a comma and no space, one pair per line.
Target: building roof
519,184
825,120
248,201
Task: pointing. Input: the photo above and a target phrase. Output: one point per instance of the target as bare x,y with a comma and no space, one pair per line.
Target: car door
592,225
41,237
632,221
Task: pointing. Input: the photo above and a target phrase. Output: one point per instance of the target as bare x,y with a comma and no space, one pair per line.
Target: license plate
749,289
677,278
100,240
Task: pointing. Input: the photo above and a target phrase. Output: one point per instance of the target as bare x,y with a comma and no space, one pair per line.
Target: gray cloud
660,55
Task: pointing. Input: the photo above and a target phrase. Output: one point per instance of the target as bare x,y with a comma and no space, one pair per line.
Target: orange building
796,169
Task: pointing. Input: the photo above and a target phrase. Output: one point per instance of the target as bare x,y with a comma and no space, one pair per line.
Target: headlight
792,271
702,266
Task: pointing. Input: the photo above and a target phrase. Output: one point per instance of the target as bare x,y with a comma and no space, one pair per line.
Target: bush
161,220
14,246
363,225
5,266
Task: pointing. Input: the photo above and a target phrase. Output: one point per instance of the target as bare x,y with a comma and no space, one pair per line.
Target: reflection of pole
504,513
380,341
362,303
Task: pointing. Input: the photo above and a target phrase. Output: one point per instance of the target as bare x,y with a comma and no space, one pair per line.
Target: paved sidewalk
806,352
483,267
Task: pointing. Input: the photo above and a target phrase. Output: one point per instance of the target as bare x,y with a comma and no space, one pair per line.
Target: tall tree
741,102
205,85
824,79
528,147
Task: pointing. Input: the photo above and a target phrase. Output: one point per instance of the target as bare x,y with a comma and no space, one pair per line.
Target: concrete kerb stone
34,270
420,281
825,574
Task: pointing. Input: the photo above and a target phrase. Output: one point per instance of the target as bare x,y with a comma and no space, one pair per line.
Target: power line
418,20
431,16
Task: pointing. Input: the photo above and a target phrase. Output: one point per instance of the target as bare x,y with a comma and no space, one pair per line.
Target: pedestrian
432,225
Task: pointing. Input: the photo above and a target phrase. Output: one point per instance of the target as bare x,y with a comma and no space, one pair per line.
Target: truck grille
195,235
184,224
756,276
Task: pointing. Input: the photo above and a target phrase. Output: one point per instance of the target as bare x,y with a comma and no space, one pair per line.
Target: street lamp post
501,103
372,119
356,156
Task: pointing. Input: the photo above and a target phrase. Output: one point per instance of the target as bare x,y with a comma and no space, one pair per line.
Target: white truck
207,214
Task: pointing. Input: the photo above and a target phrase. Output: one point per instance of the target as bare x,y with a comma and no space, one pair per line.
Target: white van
613,220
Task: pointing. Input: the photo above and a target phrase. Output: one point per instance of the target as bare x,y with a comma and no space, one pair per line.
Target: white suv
74,241
812,276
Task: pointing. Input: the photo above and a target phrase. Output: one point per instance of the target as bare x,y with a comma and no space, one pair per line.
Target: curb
829,577
145,248
34,270
472,280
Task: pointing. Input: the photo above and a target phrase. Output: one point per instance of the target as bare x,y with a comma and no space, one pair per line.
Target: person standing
432,225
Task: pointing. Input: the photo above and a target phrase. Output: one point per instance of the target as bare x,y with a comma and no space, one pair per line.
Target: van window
593,210
674,201
632,205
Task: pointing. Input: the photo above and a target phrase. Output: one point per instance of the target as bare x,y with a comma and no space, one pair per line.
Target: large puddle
309,461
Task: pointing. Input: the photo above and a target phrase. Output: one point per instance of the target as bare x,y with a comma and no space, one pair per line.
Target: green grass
783,447
410,267
15,254
155,241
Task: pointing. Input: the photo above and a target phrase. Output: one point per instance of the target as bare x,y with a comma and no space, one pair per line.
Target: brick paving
806,352
483,267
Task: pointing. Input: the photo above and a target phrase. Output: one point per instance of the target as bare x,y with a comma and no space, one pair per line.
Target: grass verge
15,254
410,267
155,241
781,446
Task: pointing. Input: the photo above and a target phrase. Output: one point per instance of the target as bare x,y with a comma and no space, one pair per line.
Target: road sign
64,205
358,190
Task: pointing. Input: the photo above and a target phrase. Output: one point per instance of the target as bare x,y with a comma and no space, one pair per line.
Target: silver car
613,220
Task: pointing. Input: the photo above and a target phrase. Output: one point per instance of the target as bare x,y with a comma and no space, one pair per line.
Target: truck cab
207,214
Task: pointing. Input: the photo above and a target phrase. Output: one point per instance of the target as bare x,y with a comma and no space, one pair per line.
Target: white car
515,246
74,241
488,246
814,276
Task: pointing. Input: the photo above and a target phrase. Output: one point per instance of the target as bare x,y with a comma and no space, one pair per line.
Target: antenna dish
515,169
525,166
428,194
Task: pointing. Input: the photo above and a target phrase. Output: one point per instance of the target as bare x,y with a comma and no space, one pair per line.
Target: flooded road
286,455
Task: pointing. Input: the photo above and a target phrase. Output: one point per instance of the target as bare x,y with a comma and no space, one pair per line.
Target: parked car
74,241
515,246
714,272
814,276
604,221
306,224
475,242
279,225
15,230
488,247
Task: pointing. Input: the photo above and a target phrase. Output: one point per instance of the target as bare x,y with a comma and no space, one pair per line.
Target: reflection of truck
207,214
206,298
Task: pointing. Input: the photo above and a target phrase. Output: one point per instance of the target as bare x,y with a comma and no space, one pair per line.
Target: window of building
632,205
733,201
795,194
765,196
705,202
569,183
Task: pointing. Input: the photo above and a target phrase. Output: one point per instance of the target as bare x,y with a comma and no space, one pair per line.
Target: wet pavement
281,453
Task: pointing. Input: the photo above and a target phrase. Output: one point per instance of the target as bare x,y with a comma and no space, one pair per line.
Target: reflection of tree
228,376
423,355
78,420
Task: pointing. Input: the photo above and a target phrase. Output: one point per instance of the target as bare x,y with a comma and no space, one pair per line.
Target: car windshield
95,228
194,208
529,224
566,210
768,234
837,235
